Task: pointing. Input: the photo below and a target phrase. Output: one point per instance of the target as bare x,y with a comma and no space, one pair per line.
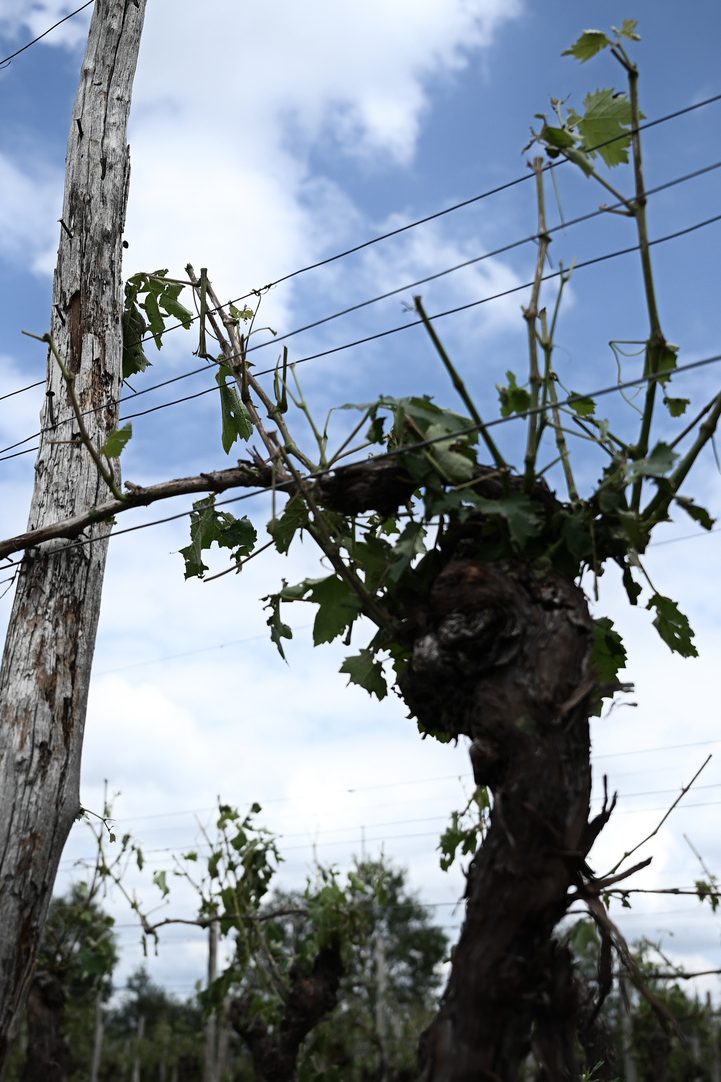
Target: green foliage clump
149,300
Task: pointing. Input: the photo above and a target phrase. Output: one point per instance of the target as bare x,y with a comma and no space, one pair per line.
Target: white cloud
30,207
355,72
20,414
225,125
19,17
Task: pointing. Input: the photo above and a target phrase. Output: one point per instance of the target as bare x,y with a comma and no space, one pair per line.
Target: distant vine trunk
312,993
49,648
503,655
48,1055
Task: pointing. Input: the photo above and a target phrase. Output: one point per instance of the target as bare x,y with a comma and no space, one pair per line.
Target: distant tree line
78,1026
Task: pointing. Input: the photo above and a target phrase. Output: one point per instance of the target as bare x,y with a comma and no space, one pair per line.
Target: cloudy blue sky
264,138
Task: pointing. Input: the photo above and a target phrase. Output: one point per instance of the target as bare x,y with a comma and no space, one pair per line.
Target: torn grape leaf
698,514
513,399
278,629
519,513
236,421
284,528
657,464
581,404
672,626
364,670
676,406
116,441
609,653
209,526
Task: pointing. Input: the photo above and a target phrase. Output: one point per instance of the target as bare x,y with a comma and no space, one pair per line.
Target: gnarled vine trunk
502,654
49,648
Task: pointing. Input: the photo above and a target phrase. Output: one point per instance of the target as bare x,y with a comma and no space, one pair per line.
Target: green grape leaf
708,890
364,670
338,606
632,588
628,30
116,441
172,306
284,528
411,541
633,530
557,138
155,320
663,358
608,657
588,45
455,466
676,406
278,629
583,938
519,512
134,329
423,413
604,126
609,653
457,836
209,526
657,464
237,424
577,535
164,295
376,557
672,626
376,433
513,399
581,404
241,313
698,514
160,879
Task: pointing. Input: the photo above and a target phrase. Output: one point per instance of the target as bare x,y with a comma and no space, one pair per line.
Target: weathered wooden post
50,641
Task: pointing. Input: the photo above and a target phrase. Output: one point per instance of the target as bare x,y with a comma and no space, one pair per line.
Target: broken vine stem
460,386
663,818
286,449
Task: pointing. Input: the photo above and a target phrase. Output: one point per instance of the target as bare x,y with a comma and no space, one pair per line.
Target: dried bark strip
49,647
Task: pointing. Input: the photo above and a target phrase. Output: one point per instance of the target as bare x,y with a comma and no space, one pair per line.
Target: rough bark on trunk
51,636
502,654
